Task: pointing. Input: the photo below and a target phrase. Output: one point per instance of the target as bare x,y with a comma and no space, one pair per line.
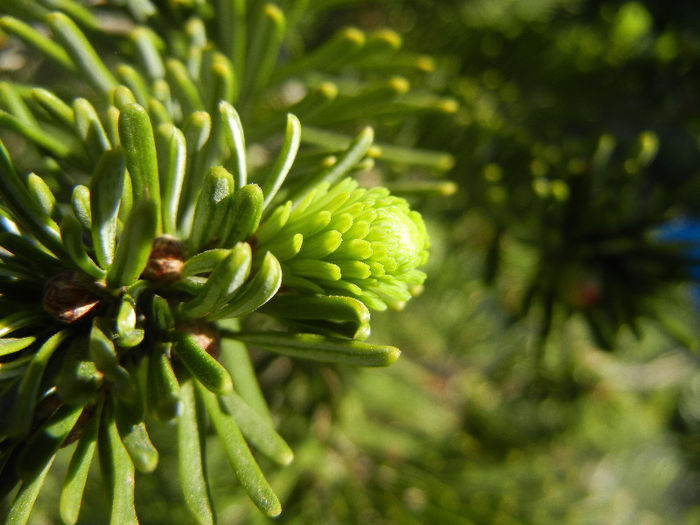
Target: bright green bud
364,243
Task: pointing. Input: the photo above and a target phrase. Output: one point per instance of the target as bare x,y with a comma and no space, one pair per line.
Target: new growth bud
365,243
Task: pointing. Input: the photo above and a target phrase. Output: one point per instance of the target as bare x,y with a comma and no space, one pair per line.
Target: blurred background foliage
550,369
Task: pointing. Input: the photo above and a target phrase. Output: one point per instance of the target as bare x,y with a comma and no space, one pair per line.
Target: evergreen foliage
139,226
188,261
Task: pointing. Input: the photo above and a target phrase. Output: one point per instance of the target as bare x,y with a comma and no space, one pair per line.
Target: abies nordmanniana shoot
365,243
110,303
133,239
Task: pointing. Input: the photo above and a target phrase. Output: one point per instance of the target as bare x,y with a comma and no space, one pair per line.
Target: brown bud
70,296
166,260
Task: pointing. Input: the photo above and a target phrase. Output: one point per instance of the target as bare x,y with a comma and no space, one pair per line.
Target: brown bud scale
166,260
69,296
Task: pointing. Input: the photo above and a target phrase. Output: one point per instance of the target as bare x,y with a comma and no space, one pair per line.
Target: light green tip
378,229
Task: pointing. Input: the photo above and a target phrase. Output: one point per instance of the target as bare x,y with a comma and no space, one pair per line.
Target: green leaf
76,10
227,277
117,470
437,160
19,203
345,314
201,365
351,156
318,348
54,106
148,46
42,194
26,497
162,315
190,462
105,358
172,162
89,127
29,387
126,315
12,99
127,200
159,114
256,292
72,235
106,186
196,32
183,86
38,41
54,144
82,54
386,96
133,434
231,31
133,80
163,390
239,456
354,249
286,247
258,430
408,156
212,207
197,130
128,335
236,142
315,269
235,357
245,213
44,443
80,202
139,148
204,262
17,320
354,269
10,345
339,49
267,35
28,253
321,245
122,96
381,42
223,81
78,379
290,146
134,245
78,468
